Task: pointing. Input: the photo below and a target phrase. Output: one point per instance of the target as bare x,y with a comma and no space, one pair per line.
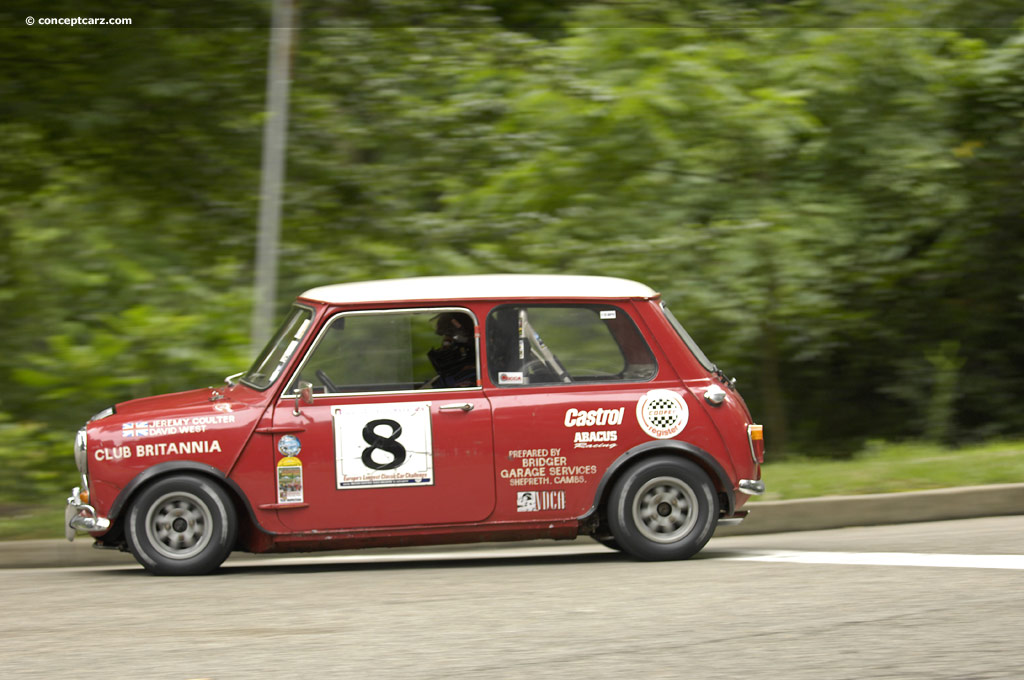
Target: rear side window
551,344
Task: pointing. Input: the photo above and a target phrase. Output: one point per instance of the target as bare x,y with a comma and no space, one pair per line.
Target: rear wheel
181,525
663,508
608,542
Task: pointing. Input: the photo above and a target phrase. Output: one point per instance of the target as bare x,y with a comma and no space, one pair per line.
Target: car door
566,381
398,432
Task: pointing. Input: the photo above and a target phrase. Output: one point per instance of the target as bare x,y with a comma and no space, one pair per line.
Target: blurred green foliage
827,193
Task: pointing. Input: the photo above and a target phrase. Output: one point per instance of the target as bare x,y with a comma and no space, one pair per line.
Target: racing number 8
388,444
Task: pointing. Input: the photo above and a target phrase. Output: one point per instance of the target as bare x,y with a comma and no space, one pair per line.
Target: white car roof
479,287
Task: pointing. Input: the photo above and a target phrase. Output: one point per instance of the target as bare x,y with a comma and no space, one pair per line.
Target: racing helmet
456,350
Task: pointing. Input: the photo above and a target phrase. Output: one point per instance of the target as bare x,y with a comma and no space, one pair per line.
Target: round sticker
289,445
662,413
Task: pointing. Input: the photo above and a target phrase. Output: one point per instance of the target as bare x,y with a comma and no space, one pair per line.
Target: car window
550,344
393,351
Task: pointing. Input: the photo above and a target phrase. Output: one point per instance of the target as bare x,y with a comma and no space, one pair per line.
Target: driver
455,359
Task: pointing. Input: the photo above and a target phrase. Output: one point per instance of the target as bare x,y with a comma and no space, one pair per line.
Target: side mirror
303,395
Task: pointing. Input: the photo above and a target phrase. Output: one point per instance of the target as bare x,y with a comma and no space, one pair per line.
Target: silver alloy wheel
179,525
665,509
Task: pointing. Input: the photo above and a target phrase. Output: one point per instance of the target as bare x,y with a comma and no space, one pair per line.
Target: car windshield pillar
275,356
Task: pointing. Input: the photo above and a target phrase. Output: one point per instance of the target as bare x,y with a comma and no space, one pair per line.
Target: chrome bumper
751,487
79,516
732,521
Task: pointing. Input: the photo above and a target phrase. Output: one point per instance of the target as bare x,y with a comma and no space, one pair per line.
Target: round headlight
81,442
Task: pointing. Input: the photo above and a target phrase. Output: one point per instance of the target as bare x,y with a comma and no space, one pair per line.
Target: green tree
826,192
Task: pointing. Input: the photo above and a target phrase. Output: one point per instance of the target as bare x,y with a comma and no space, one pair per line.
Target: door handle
465,408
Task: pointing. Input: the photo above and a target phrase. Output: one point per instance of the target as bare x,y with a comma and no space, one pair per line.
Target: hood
165,403
230,416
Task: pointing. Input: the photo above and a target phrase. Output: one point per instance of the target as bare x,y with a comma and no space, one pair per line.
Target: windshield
279,350
685,337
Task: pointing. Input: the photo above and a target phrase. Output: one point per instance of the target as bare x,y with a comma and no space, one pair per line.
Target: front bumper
79,516
752,487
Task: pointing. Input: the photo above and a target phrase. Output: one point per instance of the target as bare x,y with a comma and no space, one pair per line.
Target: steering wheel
328,383
540,369
535,368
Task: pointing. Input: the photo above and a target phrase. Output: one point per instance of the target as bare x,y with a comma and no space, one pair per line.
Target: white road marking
886,559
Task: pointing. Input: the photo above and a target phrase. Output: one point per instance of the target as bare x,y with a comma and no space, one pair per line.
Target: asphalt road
931,600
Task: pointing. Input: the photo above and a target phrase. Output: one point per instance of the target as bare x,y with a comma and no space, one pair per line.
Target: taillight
755,435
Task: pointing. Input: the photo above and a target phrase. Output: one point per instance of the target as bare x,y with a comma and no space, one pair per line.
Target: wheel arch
685,450
152,474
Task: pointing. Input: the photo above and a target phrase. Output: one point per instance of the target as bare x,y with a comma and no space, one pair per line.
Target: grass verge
32,521
888,468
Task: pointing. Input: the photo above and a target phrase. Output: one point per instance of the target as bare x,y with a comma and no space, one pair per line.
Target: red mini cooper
433,410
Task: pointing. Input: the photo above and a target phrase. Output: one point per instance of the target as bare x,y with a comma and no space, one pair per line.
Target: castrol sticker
662,413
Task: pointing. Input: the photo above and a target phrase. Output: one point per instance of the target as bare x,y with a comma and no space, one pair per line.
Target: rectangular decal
510,378
383,445
289,481
168,426
538,501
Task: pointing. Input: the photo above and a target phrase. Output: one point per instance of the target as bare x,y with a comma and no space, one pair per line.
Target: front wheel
663,508
181,525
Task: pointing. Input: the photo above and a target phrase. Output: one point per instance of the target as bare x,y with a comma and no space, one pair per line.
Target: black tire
608,542
663,508
181,525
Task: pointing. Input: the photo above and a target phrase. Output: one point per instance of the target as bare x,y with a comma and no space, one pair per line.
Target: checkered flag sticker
662,413
664,420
